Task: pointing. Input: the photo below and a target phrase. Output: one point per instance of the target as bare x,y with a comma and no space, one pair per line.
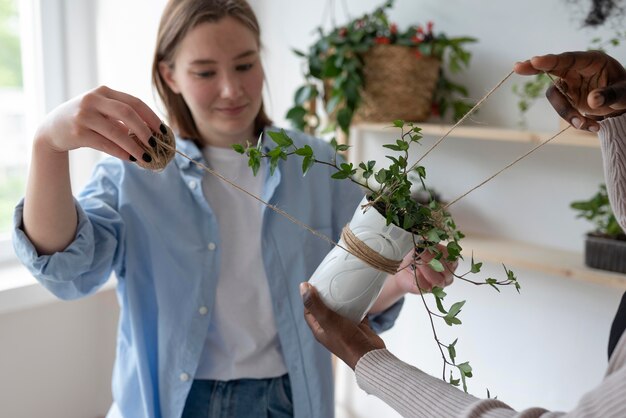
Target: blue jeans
243,398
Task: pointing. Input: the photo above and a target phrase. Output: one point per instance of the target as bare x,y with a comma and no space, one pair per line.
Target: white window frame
59,62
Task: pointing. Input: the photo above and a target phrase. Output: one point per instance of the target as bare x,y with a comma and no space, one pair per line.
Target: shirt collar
189,148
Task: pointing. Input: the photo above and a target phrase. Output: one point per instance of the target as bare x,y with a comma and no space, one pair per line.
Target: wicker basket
397,85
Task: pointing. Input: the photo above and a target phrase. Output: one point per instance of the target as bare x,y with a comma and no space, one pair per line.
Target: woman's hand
338,334
415,267
414,271
100,119
594,85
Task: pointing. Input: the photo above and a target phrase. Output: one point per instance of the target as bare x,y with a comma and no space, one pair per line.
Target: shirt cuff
384,320
76,258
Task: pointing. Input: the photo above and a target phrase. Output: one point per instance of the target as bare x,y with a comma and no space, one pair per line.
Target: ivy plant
389,190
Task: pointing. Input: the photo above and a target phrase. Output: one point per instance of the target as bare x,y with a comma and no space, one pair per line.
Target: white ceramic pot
350,286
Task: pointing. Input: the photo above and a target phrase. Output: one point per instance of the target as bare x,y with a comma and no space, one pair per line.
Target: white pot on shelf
348,285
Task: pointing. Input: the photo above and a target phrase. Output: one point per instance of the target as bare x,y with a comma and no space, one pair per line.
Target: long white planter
350,286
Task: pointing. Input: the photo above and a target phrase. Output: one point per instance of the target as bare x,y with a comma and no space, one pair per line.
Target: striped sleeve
613,140
413,393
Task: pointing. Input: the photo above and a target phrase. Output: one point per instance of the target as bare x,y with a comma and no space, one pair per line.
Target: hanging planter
371,70
349,285
399,83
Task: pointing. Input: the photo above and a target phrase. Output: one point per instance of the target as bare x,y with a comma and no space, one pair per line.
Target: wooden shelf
550,261
570,137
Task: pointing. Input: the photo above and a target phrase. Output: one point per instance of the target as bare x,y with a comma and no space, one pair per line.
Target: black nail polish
146,157
152,142
163,129
133,159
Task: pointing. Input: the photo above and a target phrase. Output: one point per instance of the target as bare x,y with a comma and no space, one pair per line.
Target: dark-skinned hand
594,84
339,335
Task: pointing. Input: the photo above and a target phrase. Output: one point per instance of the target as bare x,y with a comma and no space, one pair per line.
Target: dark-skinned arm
594,84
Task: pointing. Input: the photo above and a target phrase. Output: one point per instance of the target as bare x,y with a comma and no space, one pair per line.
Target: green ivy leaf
452,351
436,265
307,163
305,151
304,93
280,138
456,308
239,148
344,118
475,266
439,293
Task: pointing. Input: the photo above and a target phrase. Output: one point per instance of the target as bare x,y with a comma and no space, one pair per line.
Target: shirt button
192,184
211,246
184,377
203,310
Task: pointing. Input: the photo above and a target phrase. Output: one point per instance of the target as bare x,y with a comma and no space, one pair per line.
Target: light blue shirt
158,233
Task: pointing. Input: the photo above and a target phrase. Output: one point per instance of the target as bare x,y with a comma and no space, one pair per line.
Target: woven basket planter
397,85
605,253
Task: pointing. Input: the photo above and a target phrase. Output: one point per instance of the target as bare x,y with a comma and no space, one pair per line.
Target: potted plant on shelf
386,226
605,247
371,70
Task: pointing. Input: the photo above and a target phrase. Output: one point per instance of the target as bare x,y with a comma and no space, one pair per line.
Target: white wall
56,358
60,354
546,346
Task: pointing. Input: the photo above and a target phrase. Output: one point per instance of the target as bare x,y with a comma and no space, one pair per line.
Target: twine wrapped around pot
397,85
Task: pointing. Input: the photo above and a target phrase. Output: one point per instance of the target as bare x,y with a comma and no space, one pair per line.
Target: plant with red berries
334,67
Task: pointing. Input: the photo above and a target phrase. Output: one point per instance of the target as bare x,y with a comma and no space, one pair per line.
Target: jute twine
166,148
364,253
162,154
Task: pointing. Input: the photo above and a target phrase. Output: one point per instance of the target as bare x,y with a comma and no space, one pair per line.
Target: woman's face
217,70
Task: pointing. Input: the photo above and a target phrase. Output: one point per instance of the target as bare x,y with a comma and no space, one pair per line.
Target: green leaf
280,138
454,382
436,265
452,351
398,123
392,147
340,175
344,118
456,308
304,93
440,306
433,235
305,151
254,162
451,320
307,163
475,266
454,250
439,293
239,148
465,369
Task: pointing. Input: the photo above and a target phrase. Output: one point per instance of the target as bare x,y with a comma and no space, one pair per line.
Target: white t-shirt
243,340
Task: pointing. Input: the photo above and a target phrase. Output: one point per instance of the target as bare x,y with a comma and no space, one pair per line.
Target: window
48,59
13,158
